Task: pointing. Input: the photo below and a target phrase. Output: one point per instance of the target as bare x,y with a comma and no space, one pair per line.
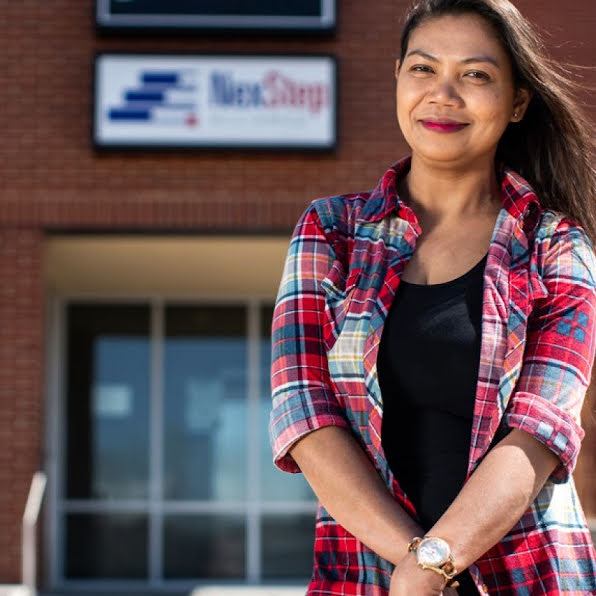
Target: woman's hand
410,580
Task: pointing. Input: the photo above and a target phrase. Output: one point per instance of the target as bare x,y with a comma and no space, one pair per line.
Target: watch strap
446,569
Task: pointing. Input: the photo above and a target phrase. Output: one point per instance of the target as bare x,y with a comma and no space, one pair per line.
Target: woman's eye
474,74
477,74
421,68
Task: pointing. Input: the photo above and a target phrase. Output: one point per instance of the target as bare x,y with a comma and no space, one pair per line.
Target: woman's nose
444,90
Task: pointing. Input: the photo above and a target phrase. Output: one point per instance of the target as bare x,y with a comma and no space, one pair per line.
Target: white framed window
164,467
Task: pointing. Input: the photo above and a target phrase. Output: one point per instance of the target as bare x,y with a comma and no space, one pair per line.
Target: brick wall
21,322
52,179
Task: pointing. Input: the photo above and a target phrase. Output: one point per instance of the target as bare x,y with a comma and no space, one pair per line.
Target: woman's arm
543,411
348,485
309,429
490,503
496,496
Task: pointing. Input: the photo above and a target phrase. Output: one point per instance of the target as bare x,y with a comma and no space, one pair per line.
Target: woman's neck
449,194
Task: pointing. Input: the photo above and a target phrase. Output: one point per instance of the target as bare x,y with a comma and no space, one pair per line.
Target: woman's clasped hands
409,579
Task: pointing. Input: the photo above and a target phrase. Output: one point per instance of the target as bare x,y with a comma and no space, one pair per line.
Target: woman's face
455,92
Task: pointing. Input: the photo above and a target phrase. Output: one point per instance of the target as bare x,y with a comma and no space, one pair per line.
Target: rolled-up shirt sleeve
560,349
302,393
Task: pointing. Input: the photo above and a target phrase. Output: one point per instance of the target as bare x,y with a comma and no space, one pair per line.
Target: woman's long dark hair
554,146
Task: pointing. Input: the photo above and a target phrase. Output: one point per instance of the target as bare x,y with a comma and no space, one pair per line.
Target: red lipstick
443,126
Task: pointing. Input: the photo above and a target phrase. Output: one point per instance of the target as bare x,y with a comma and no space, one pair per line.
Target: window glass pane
288,546
110,546
205,406
107,401
275,485
204,546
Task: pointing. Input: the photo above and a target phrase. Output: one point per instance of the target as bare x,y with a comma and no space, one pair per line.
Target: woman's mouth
443,126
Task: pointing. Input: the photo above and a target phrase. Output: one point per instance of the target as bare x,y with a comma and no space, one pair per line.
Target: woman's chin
442,154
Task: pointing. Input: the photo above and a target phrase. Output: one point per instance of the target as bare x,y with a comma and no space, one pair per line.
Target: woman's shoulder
563,246
336,217
557,226
340,211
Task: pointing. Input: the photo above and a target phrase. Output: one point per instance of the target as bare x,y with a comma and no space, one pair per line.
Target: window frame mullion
156,444
253,459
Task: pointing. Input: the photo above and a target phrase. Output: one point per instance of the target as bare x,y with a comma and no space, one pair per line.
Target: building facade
136,292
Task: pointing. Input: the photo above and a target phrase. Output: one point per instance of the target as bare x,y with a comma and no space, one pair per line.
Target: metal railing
29,546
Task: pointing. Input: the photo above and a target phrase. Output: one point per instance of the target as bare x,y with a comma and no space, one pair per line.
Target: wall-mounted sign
298,15
149,100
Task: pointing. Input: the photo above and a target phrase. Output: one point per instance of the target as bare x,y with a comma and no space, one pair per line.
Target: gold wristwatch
434,553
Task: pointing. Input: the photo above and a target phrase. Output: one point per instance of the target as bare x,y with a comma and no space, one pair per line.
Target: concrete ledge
14,590
248,591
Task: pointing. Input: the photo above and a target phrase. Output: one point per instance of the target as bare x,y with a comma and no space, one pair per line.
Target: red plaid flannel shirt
537,350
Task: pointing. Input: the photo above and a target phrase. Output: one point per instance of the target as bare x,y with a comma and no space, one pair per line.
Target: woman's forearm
350,488
495,497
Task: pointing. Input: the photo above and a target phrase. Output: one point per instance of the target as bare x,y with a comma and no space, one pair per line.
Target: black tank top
428,371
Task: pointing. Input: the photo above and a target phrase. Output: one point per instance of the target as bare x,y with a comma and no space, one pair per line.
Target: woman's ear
523,96
397,67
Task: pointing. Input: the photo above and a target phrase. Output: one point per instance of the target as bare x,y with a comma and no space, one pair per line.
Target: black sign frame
294,147
176,17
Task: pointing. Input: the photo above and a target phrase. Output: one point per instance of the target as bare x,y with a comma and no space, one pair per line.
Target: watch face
433,551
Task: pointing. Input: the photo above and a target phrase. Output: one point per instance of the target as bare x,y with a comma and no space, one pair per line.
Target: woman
433,339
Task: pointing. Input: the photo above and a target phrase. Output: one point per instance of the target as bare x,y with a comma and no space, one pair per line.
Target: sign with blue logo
299,15
148,100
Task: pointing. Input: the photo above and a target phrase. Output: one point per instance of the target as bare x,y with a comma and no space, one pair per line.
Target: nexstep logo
274,90
158,97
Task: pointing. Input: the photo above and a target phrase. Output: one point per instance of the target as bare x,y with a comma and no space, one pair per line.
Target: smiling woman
433,339
456,78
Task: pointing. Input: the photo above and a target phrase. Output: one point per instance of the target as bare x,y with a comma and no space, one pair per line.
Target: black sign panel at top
305,15
293,8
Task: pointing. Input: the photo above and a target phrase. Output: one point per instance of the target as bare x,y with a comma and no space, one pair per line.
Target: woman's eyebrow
489,59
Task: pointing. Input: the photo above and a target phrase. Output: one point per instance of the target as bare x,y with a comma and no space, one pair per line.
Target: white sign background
215,101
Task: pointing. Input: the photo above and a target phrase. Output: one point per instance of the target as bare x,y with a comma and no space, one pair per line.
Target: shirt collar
519,199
